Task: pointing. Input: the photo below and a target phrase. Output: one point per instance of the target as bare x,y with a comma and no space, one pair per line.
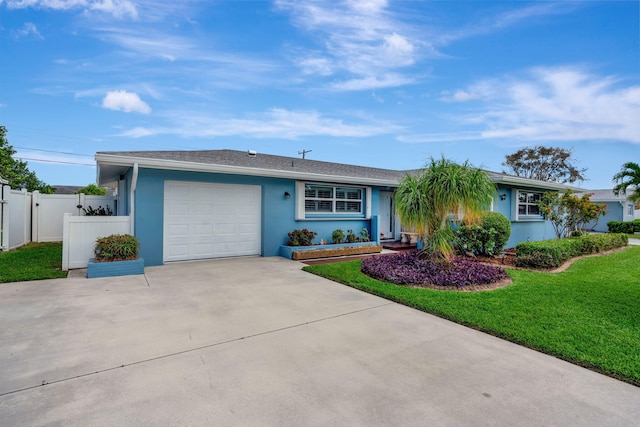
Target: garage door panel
177,251
211,220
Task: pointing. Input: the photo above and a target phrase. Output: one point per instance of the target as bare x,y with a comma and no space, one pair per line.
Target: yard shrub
552,253
351,237
486,238
116,247
568,212
409,270
302,237
337,236
628,227
100,211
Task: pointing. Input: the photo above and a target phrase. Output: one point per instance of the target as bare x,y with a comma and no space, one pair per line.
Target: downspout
132,198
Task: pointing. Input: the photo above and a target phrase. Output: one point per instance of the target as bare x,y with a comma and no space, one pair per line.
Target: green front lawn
588,315
34,261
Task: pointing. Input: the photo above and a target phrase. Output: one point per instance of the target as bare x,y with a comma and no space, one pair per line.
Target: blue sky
373,82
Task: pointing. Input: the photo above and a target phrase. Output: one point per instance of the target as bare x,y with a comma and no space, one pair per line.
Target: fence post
4,217
35,217
26,230
81,202
66,239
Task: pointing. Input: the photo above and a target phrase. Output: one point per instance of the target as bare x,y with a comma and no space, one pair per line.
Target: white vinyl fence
15,218
48,211
80,234
26,217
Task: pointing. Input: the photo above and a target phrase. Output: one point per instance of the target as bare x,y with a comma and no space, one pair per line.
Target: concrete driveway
257,341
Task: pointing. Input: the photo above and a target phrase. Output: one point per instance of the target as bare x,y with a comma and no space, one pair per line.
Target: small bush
486,238
337,236
100,211
351,237
628,227
552,253
302,237
409,270
116,247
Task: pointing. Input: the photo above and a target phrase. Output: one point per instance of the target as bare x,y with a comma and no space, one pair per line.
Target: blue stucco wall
278,213
615,212
521,231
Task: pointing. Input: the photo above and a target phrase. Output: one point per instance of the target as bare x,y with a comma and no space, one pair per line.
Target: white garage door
203,220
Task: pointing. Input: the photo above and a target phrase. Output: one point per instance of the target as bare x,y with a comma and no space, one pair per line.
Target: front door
387,217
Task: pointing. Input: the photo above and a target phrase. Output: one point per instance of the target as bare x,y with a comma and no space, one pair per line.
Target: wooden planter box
115,268
326,251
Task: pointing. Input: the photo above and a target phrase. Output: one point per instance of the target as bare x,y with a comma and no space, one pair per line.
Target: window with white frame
324,201
528,203
630,209
327,199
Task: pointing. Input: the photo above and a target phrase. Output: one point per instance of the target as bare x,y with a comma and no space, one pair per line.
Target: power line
53,151
56,161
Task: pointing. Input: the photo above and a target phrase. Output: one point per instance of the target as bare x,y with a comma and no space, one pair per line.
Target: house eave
143,162
533,183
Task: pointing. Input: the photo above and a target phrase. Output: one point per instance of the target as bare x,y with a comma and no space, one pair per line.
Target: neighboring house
619,208
189,205
66,189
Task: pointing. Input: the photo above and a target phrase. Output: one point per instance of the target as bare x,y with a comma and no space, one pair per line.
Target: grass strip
588,315
34,261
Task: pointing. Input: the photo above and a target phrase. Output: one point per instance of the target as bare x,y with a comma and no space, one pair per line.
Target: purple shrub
407,269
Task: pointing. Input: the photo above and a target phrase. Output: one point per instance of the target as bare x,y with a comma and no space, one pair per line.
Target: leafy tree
16,171
92,190
569,213
425,201
551,164
628,179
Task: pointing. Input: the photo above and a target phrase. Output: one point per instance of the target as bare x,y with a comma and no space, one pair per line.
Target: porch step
397,245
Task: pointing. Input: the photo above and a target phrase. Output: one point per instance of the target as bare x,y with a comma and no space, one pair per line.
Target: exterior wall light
287,196
503,197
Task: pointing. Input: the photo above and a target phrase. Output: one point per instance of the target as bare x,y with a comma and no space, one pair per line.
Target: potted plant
115,255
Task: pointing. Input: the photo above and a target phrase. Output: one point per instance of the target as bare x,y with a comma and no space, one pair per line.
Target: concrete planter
115,268
325,251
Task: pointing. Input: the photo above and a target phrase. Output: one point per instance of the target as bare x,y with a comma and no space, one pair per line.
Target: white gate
15,218
48,212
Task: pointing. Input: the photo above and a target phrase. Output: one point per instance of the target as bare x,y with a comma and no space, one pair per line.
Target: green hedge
488,237
628,227
552,253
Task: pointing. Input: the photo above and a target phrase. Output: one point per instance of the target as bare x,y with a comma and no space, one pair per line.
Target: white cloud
121,100
316,65
359,39
484,90
496,22
274,123
549,104
117,8
28,29
372,82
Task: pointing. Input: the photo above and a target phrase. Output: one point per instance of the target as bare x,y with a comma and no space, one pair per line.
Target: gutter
132,199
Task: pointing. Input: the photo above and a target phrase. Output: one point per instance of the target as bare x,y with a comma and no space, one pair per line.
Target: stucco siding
614,213
278,212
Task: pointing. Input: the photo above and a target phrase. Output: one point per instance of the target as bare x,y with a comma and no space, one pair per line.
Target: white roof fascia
144,162
526,182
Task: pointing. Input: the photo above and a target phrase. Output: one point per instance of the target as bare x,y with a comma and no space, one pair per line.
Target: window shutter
300,192
514,204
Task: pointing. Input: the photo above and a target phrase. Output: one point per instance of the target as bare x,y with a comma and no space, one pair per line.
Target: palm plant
426,200
628,179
